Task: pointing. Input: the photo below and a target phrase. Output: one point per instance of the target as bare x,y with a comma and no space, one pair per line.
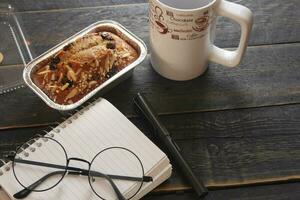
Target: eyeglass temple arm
117,191
119,177
85,172
76,171
26,191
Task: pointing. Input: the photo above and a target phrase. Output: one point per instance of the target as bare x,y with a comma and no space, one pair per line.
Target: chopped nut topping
83,65
61,75
71,75
65,86
91,83
71,94
53,77
78,71
44,72
106,36
125,55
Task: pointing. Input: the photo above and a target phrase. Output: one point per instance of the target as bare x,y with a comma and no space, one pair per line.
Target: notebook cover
123,129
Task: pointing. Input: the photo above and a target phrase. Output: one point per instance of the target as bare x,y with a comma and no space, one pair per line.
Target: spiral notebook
97,126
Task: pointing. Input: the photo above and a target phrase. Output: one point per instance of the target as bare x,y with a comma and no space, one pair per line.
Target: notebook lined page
99,127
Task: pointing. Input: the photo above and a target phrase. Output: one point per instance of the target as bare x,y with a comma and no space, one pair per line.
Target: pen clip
143,106
176,145
140,111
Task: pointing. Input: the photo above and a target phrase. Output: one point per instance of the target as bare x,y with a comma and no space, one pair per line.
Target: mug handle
243,16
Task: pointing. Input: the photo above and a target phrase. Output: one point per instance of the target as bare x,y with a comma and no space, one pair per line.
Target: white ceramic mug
182,35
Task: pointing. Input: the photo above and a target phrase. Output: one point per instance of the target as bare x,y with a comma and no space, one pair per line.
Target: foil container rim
32,64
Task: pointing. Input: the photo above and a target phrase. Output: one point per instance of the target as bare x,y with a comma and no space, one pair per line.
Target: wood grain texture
239,147
227,142
231,124
224,162
267,76
10,76
276,23
225,148
272,192
8,45
36,5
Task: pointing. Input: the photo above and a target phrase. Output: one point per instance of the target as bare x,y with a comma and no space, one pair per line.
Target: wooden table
238,128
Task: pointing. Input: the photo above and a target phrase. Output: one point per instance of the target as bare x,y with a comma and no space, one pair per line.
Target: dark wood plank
267,76
36,5
8,46
10,76
11,140
63,23
272,192
224,162
241,123
225,148
239,147
280,27
275,23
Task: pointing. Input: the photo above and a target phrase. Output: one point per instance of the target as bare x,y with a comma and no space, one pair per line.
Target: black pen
164,137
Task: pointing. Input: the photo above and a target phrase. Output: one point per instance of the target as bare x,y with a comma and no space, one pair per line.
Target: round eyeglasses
109,176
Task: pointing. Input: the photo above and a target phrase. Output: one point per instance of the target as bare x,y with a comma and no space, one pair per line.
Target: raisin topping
95,77
52,66
66,80
68,47
111,72
106,36
70,83
55,60
111,45
83,65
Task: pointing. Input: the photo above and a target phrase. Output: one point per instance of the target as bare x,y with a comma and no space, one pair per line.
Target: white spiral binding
11,89
51,134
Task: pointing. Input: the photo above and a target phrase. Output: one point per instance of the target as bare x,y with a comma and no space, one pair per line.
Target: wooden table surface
238,128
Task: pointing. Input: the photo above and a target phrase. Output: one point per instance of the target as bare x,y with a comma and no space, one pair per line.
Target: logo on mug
161,26
202,22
